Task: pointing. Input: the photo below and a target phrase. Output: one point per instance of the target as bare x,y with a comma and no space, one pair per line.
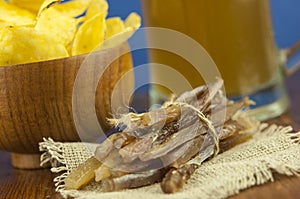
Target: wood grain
36,99
31,184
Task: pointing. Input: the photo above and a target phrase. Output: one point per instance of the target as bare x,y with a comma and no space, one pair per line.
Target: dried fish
137,166
183,154
200,97
157,146
82,175
130,181
176,178
232,141
122,140
102,172
173,142
165,132
105,148
134,121
117,140
181,171
132,151
159,133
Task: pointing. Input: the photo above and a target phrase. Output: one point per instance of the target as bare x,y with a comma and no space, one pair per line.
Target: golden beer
236,33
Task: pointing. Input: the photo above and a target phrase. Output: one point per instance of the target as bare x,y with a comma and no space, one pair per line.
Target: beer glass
238,35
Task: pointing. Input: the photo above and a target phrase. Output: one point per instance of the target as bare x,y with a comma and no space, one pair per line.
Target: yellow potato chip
53,32
89,35
114,26
4,24
25,45
47,4
57,25
30,5
116,40
133,21
73,8
95,7
14,15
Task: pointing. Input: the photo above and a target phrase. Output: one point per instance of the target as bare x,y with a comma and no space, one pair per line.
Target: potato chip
95,7
133,21
4,24
116,40
25,45
114,26
57,25
30,5
73,8
47,4
14,15
89,35
38,30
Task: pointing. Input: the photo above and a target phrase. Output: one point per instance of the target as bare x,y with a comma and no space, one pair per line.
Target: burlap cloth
272,149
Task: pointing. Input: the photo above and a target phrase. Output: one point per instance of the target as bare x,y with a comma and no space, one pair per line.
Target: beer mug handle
291,58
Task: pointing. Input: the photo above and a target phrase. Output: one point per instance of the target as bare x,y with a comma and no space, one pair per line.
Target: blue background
123,8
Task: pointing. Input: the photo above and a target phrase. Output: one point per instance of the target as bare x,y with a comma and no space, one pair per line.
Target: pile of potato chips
38,30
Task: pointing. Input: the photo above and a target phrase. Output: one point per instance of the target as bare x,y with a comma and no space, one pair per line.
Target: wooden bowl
36,101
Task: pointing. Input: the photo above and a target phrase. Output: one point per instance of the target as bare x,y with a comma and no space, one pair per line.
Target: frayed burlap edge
272,149
64,157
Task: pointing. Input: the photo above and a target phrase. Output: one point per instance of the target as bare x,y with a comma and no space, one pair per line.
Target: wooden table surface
21,184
